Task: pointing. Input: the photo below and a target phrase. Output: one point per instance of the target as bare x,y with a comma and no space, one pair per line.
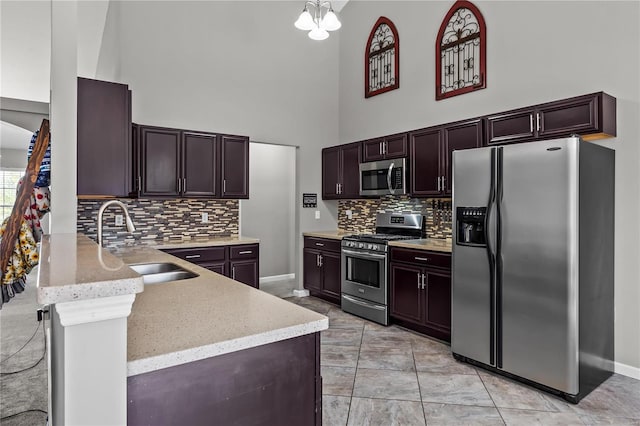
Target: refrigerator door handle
490,231
498,254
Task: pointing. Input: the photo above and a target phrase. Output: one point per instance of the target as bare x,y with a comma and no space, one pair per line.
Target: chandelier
318,17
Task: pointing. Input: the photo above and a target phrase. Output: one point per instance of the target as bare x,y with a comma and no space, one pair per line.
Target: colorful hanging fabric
44,175
25,253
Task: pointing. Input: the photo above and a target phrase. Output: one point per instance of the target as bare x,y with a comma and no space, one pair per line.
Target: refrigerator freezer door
471,293
539,218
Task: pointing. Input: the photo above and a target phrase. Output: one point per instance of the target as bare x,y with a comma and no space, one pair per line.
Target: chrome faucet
129,222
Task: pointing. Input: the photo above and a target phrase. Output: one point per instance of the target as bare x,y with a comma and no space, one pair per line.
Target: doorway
270,215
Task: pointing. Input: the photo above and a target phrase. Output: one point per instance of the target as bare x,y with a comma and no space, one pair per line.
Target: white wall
92,16
13,158
25,49
536,52
269,213
235,67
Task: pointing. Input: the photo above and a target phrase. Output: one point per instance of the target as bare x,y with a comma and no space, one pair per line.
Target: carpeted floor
26,390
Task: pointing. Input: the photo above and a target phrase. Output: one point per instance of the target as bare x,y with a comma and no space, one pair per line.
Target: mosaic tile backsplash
437,213
160,219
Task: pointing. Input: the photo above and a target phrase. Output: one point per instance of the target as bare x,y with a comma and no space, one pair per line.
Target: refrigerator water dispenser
470,222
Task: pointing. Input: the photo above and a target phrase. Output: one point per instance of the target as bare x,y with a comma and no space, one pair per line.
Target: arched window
382,59
461,51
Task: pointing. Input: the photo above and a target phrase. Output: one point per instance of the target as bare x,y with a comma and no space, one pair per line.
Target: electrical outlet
349,214
205,217
119,220
317,214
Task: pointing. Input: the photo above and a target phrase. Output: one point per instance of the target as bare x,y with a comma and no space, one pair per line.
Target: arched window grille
382,59
461,51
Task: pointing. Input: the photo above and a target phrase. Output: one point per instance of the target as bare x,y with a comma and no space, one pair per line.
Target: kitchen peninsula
197,349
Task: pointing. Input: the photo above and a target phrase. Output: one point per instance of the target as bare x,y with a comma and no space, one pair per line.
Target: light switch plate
205,217
317,214
119,220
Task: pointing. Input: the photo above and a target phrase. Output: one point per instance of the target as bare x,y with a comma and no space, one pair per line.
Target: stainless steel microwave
388,177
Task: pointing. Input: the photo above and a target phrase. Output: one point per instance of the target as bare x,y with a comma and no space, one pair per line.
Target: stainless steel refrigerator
533,252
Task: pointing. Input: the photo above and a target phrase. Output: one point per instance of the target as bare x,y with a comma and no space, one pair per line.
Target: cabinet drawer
421,257
199,255
249,251
323,244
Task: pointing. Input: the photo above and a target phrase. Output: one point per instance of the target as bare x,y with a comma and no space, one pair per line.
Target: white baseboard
627,370
301,293
277,278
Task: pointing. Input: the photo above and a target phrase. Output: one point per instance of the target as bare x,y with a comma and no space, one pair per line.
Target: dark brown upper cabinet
160,162
341,171
182,163
235,166
591,116
431,155
104,156
385,148
425,146
200,159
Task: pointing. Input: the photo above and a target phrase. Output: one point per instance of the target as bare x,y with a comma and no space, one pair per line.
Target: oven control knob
373,247
361,245
369,246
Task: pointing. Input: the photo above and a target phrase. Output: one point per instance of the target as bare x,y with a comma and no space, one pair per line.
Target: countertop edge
146,365
332,235
166,245
94,290
78,251
424,246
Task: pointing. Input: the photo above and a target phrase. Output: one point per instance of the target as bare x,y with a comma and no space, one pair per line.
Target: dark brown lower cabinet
245,271
421,295
274,384
321,264
239,262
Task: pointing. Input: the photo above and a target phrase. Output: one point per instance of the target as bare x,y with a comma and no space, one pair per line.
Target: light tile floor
375,375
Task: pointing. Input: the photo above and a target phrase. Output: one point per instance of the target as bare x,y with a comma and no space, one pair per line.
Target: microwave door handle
391,188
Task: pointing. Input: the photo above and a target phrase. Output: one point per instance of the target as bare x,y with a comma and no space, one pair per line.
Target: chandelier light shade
318,18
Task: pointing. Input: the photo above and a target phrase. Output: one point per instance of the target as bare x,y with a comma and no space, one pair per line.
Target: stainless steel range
365,265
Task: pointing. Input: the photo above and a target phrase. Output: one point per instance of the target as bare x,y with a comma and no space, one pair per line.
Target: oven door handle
364,255
368,305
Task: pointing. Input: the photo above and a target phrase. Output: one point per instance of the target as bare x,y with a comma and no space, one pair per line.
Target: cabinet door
438,299
350,170
160,161
235,166
200,165
514,126
104,154
330,172
562,118
465,135
331,278
372,149
312,276
395,146
407,298
218,267
424,146
245,271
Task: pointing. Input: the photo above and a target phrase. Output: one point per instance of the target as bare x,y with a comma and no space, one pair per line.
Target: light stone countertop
73,267
183,321
175,243
334,235
430,244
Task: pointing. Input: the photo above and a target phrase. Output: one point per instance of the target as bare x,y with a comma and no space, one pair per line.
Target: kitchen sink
154,273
